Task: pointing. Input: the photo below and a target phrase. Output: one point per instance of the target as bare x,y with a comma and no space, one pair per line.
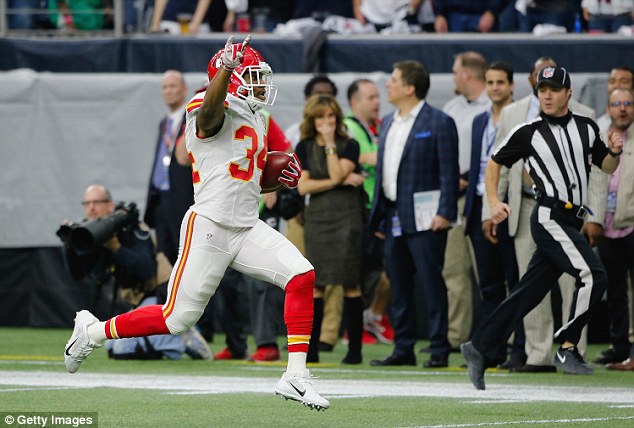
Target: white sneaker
196,346
300,388
79,346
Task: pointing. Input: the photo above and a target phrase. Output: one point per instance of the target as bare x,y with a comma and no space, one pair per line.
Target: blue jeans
533,17
608,23
463,22
23,21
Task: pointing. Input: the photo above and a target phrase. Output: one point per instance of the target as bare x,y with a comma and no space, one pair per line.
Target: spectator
266,14
555,223
555,12
200,16
125,259
170,191
383,14
620,77
607,16
89,15
363,124
319,84
495,262
517,187
21,18
459,16
418,152
616,248
470,100
333,295
321,9
333,216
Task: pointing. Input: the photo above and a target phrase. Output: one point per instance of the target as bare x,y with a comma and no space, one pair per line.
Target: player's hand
232,57
292,173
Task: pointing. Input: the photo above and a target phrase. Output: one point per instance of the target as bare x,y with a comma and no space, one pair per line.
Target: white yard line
532,422
175,384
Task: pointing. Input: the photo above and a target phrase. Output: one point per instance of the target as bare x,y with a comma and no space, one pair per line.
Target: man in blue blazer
418,152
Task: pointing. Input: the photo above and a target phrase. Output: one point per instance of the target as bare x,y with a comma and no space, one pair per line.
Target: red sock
143,321
298,311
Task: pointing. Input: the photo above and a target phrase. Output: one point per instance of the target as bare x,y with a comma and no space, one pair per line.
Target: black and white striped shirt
558,153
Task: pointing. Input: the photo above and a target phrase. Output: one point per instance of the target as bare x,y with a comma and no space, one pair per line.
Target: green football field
189,393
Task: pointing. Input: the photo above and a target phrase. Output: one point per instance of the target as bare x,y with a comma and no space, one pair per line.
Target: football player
226,140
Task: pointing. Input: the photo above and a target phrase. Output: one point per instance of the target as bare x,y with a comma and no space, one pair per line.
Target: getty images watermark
48,419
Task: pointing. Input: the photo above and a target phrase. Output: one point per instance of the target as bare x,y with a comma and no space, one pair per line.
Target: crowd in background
344,16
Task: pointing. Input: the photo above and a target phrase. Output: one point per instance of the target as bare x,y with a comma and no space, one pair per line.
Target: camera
88,235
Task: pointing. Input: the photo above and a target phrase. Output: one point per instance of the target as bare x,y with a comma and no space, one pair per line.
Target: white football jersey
227,167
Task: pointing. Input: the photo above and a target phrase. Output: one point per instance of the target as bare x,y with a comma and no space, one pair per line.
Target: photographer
127,255
111,247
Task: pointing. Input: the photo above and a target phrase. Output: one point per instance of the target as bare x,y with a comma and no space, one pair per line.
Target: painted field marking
532,422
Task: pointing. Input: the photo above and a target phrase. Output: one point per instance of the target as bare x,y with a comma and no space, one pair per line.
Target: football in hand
276,162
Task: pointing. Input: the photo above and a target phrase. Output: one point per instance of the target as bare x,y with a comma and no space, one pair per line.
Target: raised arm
211,114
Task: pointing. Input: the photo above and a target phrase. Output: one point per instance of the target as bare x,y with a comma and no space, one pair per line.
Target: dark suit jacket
181,193
479,126
429,162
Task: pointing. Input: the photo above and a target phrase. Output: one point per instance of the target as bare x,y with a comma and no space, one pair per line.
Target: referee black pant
560,248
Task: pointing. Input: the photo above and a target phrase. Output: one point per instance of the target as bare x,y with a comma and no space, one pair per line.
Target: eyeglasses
98,201
621,103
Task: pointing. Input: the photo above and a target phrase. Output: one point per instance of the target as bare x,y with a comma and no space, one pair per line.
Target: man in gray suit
516,185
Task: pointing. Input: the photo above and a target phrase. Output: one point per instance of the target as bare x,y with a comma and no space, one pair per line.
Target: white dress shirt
394,145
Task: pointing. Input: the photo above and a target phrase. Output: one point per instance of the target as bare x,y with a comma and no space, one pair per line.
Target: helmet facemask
252,80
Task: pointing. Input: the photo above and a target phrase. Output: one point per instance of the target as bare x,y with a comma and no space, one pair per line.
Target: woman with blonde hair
333,214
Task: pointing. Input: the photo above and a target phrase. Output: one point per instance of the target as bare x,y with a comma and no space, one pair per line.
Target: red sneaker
266,353
387,335
226,354
366,339
378,326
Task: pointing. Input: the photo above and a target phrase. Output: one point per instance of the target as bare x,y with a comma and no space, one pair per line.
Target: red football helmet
259,74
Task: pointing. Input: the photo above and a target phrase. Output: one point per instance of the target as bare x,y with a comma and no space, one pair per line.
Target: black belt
529,194
579,212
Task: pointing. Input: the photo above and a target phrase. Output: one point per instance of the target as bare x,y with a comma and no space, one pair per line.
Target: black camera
88,235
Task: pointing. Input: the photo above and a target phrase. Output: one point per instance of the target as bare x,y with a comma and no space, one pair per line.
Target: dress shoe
428,350
512,363
436,363
352,358
611,356
396,360
326,347
627,365
533,368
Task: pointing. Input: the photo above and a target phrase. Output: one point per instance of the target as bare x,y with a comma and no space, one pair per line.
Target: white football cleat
79,346
299,387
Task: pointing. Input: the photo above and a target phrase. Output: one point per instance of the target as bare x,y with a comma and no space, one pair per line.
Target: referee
558,148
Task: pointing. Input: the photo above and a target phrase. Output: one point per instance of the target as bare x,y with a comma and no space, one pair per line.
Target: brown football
275,163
